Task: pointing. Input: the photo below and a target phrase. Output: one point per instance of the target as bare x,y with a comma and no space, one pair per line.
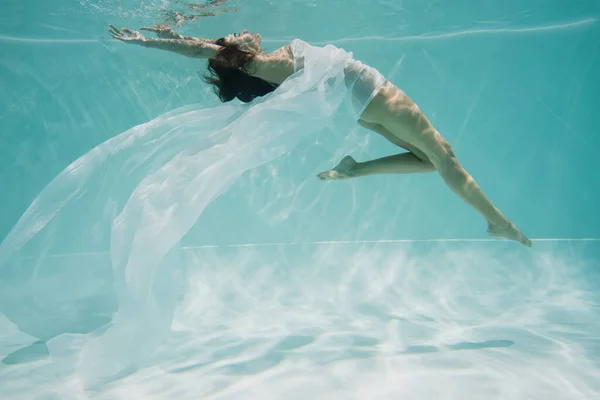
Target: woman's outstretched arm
168,40
164,31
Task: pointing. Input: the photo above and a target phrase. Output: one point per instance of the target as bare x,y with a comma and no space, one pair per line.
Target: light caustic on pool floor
370,321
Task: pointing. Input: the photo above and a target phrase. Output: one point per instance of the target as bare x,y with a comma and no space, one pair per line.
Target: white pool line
383,241
534,29
468,32
324,242
47,41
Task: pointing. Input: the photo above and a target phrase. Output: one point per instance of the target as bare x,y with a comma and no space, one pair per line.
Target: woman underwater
239,68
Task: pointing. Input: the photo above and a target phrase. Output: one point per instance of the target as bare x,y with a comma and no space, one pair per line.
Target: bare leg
413,162
401,121
404,163
462,183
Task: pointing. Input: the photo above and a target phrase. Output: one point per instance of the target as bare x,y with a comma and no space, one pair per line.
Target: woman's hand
126,35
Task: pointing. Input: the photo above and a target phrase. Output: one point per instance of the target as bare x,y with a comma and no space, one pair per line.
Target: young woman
239,68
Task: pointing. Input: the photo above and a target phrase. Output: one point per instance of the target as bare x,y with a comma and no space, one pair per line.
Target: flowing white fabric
134,197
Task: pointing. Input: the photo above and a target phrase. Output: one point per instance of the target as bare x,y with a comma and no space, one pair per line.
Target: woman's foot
509,232
344,170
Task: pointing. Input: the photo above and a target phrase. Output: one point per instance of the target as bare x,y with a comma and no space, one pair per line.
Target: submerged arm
166,32
197,48
168,40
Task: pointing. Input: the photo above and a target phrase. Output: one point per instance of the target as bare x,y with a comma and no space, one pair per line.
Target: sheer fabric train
92,267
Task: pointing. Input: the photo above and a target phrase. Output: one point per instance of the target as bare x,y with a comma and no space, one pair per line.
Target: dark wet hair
229,75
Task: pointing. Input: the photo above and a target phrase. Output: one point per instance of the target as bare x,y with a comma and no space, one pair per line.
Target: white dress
363,81
104,234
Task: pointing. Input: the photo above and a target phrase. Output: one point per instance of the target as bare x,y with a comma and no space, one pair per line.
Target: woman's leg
403,163
413,162
403,119
462,183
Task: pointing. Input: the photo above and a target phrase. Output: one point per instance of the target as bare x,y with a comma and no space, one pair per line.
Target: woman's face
249,42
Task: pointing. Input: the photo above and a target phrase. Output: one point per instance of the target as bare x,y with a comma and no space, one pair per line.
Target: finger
114,30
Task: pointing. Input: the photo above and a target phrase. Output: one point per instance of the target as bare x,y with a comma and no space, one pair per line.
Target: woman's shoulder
282,54
275,66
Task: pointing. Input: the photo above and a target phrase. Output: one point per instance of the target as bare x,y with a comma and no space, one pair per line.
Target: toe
323,175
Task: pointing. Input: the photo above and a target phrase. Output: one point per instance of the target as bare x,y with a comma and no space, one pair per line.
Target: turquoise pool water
376,288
